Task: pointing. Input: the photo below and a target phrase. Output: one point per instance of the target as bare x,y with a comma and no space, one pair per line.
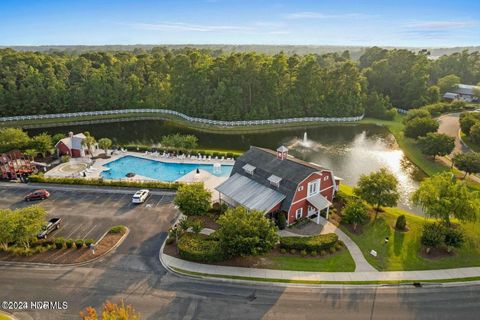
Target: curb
272,282
65,265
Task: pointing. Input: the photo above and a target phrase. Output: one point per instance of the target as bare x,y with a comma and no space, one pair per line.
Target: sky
404,23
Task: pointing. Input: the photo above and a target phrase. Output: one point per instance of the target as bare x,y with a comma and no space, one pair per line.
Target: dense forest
230,86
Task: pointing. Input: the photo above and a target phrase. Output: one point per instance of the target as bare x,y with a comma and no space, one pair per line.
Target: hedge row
199,248
314,243
135,147
101,182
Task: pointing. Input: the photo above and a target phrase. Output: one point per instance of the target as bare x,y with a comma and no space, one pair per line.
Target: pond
349,150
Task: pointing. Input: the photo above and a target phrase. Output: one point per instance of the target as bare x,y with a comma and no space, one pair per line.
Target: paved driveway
89,214
449,125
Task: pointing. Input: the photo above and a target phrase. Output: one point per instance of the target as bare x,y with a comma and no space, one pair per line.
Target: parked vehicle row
139,197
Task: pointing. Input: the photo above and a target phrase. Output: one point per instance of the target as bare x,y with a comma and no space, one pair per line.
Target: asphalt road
133,273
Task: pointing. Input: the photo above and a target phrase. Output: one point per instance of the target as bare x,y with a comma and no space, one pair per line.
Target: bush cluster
315,243
435,235
199,248
101,182
401,223
117,229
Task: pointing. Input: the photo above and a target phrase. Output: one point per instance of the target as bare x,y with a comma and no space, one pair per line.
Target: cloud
180,26
319,15
441,25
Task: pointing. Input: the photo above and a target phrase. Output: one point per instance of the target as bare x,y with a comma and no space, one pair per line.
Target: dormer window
274,180
248,168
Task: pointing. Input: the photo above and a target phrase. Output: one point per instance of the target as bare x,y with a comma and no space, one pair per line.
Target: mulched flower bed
251,261
435,253
67,256
208,221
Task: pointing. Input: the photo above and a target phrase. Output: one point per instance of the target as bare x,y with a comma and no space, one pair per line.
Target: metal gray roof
450,95
249,193
465,89
319,201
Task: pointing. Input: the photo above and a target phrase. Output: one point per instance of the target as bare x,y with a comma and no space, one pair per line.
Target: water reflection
349,151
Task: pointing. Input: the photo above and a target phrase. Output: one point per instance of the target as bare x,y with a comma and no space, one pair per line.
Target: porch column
328,209
318,216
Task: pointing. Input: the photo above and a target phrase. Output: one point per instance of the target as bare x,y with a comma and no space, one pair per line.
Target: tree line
227,86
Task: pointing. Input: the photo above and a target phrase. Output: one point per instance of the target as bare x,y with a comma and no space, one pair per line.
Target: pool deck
95,169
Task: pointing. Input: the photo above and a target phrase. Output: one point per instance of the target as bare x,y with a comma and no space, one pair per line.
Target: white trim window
300,188
298,213
326,178
313,188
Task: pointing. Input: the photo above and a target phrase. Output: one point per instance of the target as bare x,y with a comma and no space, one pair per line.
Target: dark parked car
52,225
37,195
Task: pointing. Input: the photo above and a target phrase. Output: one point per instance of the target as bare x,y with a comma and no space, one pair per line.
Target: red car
37,195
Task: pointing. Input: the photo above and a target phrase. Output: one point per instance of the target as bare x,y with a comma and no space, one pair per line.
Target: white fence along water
181,115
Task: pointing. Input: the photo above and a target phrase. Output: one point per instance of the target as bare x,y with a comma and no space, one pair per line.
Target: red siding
76,153
276,208
299,201
63,149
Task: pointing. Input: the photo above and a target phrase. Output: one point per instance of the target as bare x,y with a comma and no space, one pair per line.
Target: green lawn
472,145
403,248
340,262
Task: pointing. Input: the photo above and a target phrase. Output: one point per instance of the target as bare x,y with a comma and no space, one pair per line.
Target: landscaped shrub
59,242
454,238
313,253
196,226
303,253
432,235
283,251
102,182
339,245
79,243
89,242
281,221
64,158
401,223
293,251
200,248
117,229
69,243
317,243
332,249
323,252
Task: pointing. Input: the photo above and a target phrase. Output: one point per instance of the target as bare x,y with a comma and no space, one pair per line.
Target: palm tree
105,143
89,141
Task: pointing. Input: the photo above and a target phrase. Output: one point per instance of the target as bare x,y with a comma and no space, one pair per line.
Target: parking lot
89,213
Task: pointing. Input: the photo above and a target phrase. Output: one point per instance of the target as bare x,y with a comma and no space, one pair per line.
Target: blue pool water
158,170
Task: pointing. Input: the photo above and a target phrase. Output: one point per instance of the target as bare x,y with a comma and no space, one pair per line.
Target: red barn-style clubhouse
270,181
72,145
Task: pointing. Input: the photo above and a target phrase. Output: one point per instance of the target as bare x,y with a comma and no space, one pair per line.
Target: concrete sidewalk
361,264
207,269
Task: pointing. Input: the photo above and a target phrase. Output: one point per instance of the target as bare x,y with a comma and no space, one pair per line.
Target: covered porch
240,190
316,205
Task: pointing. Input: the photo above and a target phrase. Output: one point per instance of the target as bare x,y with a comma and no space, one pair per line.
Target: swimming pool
158,170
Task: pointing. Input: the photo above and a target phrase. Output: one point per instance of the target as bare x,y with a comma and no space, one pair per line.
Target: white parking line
85,236
73,231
